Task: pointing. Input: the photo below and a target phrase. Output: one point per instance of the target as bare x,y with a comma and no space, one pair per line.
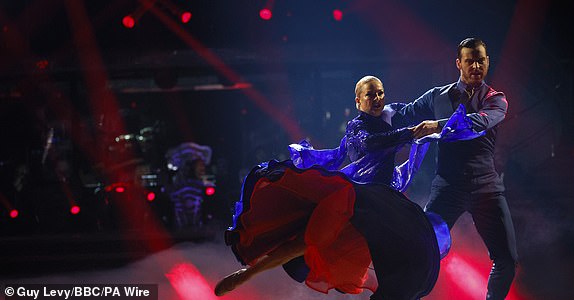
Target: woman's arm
360,140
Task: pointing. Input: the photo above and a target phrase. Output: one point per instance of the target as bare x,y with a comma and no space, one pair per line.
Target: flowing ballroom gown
352,218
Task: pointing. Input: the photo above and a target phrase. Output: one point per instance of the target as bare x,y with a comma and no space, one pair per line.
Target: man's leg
494,224
446,201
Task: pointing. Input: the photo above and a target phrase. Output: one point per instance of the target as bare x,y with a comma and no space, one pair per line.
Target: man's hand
425,128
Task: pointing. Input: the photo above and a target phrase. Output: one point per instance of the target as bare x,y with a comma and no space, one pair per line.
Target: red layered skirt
281,202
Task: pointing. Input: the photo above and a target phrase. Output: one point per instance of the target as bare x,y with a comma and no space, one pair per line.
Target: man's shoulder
438,90
490,92
487,94
446,86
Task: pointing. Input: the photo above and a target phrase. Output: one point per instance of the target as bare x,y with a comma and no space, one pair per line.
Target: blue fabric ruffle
457,128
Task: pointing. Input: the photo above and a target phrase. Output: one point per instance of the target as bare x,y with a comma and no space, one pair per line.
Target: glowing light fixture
75,210
265,14
210,190
150,196
129,22
337,14
185,17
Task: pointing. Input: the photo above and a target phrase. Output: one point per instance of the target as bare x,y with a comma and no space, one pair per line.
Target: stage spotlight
150,196
129,22
337,14
75,210
14,214
210,191
185,17
265,14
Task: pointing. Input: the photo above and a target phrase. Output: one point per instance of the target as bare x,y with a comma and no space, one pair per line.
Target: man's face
371,98
473,65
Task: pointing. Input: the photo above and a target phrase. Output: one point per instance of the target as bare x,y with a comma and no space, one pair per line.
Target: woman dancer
326,225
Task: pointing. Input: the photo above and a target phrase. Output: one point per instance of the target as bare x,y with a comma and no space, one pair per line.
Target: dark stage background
88,105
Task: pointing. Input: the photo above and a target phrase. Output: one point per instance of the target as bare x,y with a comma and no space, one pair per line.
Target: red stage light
265,14
129,21
185,17
187,280
337,14
120,189
209,191
75,210
150,196
14,213
42,64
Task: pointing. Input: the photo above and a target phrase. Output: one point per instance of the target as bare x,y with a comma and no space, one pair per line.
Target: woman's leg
283,254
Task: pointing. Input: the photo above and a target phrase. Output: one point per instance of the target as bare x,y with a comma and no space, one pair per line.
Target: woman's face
371,98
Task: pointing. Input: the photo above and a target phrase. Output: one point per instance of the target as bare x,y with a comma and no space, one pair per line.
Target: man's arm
414,112
491,113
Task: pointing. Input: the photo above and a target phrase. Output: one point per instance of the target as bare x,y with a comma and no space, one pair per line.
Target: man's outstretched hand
425,128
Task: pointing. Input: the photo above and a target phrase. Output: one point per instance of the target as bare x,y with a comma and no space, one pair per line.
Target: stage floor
186,271
187,266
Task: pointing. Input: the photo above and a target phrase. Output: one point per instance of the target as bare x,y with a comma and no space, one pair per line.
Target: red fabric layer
319,207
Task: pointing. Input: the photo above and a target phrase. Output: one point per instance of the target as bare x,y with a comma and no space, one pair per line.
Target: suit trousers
491,216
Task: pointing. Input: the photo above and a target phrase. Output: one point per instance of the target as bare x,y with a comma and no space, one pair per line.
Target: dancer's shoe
229,283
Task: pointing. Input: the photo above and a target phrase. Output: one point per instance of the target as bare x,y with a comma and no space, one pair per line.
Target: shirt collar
461,86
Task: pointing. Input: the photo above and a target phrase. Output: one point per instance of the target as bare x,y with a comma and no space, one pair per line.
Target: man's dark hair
470,43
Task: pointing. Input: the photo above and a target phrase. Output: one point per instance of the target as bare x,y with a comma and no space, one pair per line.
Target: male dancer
466,179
